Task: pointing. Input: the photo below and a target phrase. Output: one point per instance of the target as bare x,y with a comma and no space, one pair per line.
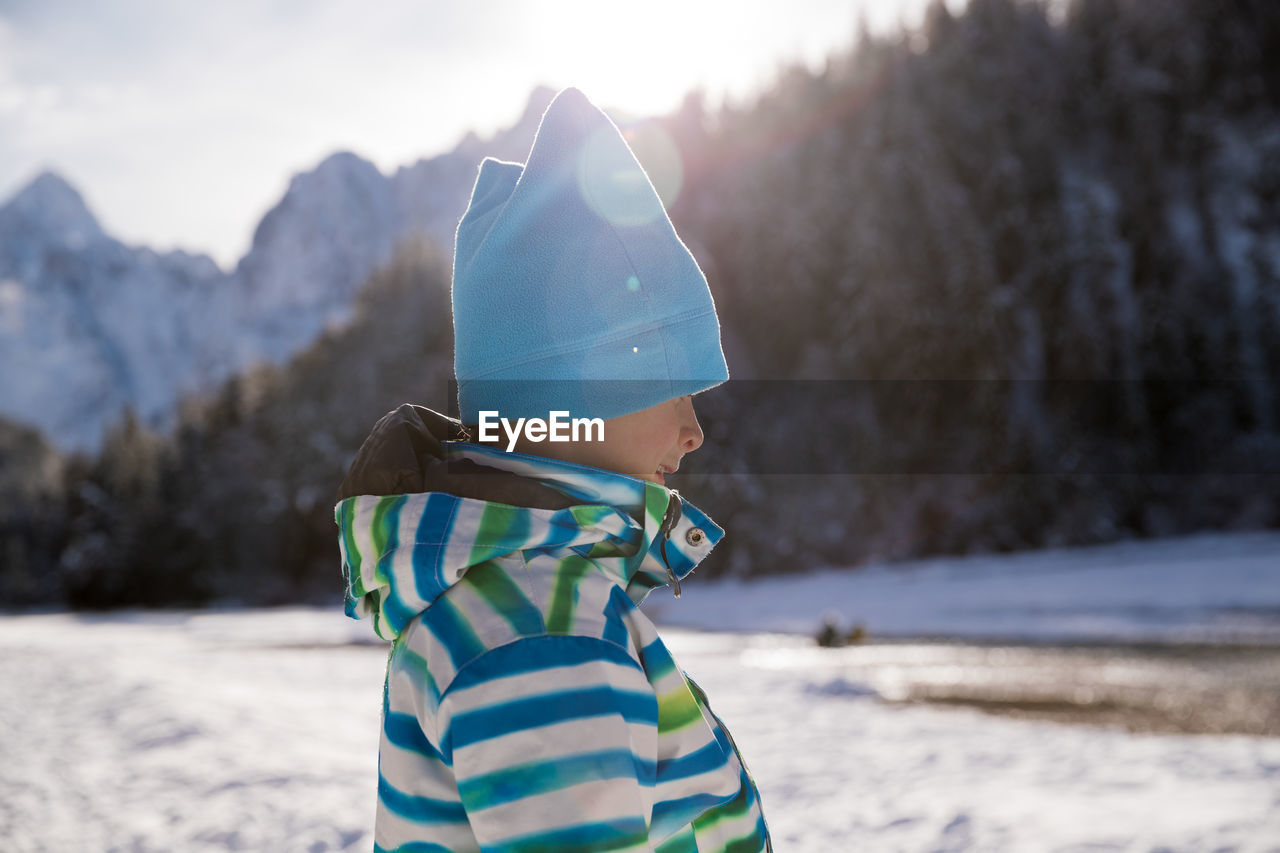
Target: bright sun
645,58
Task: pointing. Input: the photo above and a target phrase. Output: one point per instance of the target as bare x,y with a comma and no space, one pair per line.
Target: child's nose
690,432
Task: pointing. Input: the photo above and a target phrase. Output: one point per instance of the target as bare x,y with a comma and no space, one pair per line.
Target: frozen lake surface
257,730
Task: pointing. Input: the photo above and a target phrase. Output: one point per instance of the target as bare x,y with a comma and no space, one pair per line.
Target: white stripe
416,774
544,742
391,831
603,486
598,801
419,638
362,533
718,782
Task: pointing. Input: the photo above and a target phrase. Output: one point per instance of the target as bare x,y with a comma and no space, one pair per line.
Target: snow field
258,730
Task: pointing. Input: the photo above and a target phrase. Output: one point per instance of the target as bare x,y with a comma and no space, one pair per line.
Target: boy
529,704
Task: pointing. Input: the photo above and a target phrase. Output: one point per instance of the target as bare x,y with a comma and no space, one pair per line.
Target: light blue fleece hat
571,289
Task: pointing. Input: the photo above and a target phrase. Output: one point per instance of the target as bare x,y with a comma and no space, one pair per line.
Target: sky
181,122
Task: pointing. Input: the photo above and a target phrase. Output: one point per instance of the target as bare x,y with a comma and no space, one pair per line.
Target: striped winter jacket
529,704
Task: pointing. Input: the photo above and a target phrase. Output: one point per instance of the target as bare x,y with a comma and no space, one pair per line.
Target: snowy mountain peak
51,205
539,100
511,143
344,186
114,325
346,163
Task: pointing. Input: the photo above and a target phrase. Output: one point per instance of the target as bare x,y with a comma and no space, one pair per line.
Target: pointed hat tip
570,93
571,101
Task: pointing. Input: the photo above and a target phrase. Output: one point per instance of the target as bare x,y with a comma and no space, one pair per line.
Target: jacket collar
401,551
676,533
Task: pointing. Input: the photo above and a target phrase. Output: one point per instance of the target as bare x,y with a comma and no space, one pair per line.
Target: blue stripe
615,629
539,777
533,712
656,660
454,631
391,523
536,654
704,760
589,838
436,524
677,813
403,731
412,847
419,809
427,581
393,606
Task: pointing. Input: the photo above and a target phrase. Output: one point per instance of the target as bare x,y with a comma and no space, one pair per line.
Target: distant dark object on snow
830,635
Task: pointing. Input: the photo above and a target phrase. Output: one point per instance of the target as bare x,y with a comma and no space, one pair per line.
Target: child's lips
663,470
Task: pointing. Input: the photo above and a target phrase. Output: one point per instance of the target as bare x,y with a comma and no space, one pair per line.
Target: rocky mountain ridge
90,326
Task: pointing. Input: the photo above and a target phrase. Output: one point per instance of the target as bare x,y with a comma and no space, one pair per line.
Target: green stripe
564,596
378,528
500,591
606,548
499,526
656,501
589,515
345,517
732,810
752,842
682,842
676,710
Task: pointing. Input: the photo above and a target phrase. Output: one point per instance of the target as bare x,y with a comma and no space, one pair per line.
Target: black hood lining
404,454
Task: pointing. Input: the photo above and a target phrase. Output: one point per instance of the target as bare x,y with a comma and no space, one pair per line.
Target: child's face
647,444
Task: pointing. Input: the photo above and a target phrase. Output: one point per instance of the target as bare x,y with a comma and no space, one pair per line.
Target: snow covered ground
1210,587
257,730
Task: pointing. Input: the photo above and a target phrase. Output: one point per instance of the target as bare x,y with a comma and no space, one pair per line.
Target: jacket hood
420,506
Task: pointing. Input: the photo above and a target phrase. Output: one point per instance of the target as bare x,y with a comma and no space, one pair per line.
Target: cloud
15,96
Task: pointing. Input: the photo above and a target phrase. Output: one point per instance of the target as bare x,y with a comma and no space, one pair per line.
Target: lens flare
660,157
615,190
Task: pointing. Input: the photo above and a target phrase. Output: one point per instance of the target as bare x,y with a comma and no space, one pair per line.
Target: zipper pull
668,522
